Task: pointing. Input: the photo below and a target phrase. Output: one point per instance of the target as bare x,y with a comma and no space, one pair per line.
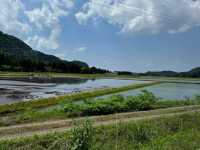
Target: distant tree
124,73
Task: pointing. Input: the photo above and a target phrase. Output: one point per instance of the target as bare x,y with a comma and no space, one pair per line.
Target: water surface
18,89
169,91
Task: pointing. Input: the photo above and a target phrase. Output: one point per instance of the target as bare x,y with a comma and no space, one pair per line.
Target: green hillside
16,55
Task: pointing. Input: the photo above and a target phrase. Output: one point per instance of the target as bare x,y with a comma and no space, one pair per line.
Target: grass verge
108,75
177,132
93,107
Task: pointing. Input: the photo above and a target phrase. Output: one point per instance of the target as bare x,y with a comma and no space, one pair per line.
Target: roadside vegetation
93,107
177,132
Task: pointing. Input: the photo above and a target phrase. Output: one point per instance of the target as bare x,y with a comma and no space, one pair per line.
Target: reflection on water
17,89
168,91
46,80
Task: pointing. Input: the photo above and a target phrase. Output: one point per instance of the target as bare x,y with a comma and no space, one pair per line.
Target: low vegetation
117,103
90,107
113,104
177,132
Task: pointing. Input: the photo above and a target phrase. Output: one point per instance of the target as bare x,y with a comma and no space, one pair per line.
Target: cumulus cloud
9,17
48,17
149,16
49,43
49,13
39,25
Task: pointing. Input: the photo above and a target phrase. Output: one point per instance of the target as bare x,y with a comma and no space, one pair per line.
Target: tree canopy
16,55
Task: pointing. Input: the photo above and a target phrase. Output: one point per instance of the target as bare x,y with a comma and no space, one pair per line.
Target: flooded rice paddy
20,89
168,91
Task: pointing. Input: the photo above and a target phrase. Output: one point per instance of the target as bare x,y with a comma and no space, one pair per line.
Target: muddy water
20,89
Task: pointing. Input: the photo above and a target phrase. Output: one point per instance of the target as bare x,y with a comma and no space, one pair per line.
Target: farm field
170,91
58,114
99,75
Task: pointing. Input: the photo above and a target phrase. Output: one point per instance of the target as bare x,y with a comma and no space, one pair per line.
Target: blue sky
135,35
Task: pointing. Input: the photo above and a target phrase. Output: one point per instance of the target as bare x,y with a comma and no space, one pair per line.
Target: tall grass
81,137
178,132
89,107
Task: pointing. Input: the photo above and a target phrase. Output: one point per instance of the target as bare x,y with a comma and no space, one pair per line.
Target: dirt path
63,125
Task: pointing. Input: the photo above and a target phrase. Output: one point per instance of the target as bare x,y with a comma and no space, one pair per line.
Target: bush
113,104
142,102
81,137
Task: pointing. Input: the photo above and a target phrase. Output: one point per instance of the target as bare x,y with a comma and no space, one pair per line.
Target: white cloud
38,25
49,43
149,16
48,16
9,17
49,13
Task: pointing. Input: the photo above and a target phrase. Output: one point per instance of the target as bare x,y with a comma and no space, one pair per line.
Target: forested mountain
192,73
195,72
16,55
161,73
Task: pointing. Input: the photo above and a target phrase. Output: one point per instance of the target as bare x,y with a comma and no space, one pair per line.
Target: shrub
81,137
113,104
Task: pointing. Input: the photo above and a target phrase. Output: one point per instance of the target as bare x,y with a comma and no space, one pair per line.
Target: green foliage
143,101
81,137
124,73
113,104
195,100
78,138
146,134
90,107
177,132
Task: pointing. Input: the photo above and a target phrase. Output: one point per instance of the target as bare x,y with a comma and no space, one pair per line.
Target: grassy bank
177,132
117,104
92,76
8,108
112,104
50,74
92,107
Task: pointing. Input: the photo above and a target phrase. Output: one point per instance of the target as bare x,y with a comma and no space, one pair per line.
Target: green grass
51,74
154,134
117,104
8,108
108,75
113,104
174,133
91,107
187,140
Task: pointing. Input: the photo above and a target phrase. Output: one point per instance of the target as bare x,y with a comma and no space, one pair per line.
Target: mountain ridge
16,55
